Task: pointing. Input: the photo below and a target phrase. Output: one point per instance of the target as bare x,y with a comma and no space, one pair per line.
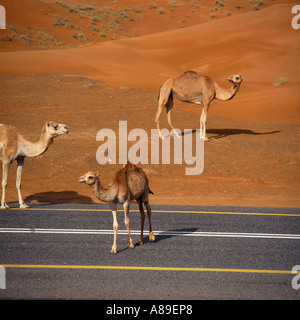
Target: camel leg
126,213
203,121
113,207
5,168
142,220
149,213
18,183
163,99
169,107
158,114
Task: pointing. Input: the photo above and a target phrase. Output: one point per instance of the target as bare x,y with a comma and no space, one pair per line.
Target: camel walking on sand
194,88
129,183
13,146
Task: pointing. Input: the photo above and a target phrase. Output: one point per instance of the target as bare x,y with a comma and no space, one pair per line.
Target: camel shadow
164,235
59,197
222,133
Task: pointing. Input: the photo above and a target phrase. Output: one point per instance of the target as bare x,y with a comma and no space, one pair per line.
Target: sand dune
263,47
260,45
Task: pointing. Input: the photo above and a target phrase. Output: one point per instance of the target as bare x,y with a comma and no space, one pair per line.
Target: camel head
55,129
236,79
89,178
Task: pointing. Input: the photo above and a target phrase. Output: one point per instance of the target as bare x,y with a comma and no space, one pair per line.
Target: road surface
61,251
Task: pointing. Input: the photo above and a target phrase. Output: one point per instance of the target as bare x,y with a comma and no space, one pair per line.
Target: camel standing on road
13,146
194,88
129,183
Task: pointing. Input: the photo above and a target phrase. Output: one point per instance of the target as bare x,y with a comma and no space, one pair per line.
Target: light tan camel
194,88
13,146
129,183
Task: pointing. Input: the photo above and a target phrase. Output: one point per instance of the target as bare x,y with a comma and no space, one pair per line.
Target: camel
13,146
193,88
129,183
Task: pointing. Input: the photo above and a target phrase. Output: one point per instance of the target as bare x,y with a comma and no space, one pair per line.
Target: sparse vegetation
172,4
106,20
152,5
259,2
161,10
79,36
280,81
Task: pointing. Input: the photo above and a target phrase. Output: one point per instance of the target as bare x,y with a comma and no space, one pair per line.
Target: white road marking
157,233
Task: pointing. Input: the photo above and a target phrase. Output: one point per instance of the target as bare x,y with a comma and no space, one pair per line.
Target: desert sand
253,156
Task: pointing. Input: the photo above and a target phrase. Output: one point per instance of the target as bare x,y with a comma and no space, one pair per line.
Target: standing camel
194,88
13,146
129,183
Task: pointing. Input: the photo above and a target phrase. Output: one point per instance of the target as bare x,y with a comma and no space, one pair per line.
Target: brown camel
194,88
13,146
129,183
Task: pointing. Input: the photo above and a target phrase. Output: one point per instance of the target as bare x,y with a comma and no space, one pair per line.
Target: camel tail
170,94
150,191
167,89
158,93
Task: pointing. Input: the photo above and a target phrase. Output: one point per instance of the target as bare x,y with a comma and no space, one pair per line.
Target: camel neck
102,193
223,94
34,149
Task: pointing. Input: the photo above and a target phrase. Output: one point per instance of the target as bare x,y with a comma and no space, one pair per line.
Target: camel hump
188,75
126,179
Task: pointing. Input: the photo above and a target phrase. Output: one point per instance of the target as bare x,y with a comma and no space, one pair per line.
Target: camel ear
96,174
241,76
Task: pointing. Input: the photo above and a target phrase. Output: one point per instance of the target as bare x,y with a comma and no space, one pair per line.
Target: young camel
194,88
13,146
129,183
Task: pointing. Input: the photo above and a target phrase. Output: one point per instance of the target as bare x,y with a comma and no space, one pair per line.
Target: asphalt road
61,251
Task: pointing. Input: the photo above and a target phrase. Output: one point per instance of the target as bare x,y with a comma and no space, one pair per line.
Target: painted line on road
168,211
38,266
157,233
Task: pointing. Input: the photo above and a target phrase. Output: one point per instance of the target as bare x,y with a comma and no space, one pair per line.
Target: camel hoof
152,237
204,138
179,136
113,251
131,246
24,206
4,206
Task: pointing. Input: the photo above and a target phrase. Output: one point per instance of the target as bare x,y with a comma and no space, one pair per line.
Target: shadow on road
170,234
59,197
